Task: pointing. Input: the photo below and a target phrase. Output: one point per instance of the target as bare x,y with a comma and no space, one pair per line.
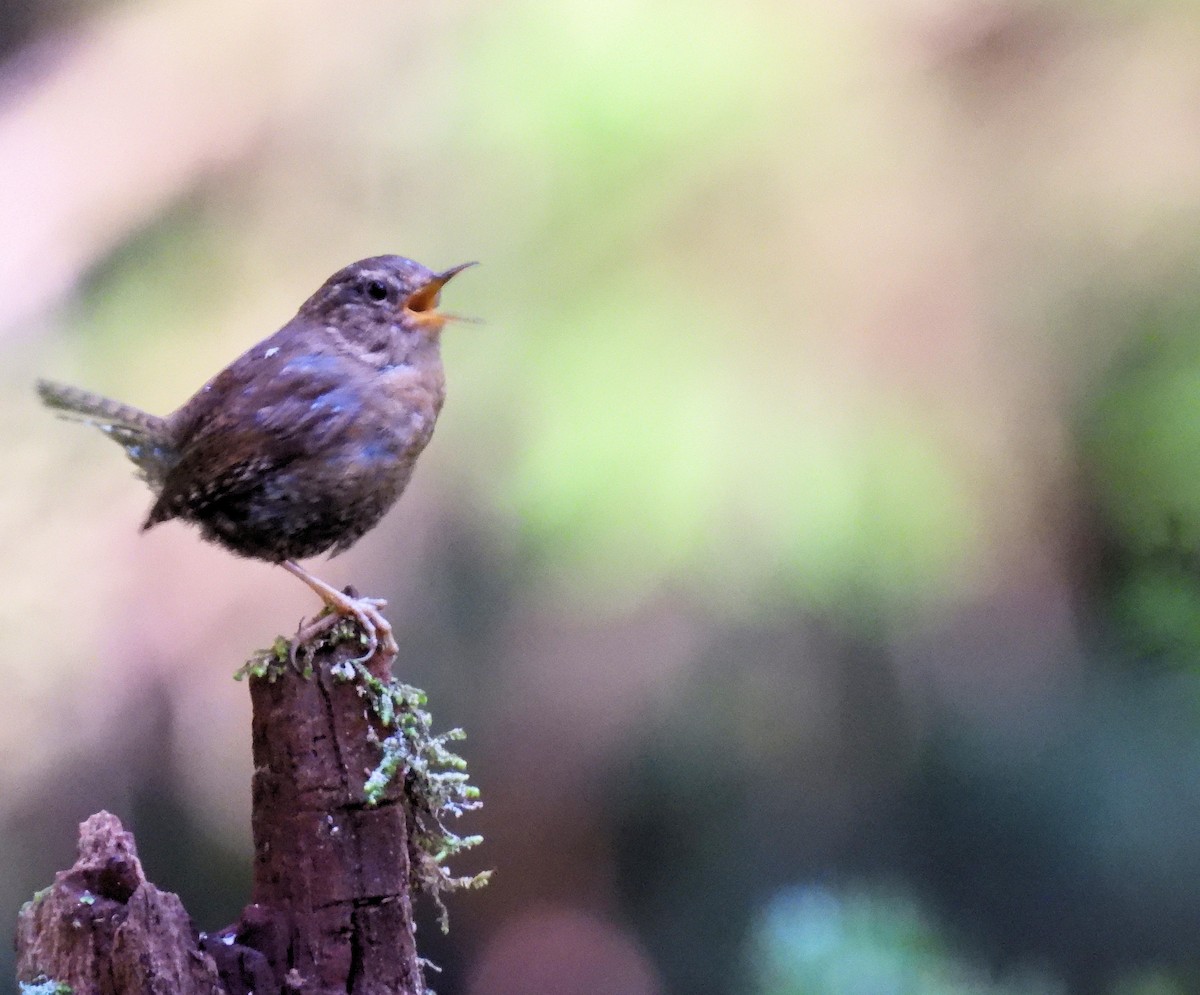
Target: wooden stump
350,793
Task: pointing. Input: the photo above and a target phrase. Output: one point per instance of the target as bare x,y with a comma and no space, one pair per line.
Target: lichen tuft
45,986
435,784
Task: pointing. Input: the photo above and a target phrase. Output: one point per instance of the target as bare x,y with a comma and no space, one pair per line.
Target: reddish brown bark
331,874
102,927
331,910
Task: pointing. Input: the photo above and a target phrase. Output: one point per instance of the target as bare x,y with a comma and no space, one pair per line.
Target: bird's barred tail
143,436
83,405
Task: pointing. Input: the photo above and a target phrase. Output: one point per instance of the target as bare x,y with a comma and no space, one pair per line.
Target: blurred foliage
814,940
657,449
870,940
1066,822
644,113
644,464
1141,448
166,285
1150,983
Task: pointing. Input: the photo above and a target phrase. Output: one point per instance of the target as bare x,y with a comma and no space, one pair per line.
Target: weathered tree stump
102,927
351,793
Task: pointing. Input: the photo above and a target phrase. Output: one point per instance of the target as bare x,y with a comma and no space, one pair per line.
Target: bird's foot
376,629
306,636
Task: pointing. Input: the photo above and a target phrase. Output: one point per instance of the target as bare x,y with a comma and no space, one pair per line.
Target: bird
301,444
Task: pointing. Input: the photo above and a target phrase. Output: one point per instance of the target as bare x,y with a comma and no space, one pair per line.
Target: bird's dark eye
377,290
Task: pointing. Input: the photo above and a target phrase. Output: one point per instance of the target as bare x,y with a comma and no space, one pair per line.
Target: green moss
35,901
435,783
267,664
271,663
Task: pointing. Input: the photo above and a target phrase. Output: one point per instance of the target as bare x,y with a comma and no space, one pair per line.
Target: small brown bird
301,444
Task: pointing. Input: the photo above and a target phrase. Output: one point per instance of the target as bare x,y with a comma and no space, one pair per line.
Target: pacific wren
301,444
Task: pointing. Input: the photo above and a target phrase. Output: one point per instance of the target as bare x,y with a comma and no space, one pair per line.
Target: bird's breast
411,395
391,423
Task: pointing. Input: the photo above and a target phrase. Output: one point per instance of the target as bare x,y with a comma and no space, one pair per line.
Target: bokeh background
810,544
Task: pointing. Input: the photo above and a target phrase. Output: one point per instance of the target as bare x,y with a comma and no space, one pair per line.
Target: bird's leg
365,611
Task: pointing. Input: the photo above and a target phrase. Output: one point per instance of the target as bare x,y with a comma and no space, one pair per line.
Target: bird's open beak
423,303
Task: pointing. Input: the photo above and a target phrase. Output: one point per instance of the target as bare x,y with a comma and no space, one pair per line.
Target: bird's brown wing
218,466
265,410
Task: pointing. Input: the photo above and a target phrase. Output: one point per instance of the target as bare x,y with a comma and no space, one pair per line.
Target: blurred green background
810,544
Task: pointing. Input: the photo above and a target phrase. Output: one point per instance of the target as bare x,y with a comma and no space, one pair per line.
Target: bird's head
383,301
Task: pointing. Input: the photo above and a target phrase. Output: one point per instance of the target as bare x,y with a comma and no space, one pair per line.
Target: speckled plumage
304,442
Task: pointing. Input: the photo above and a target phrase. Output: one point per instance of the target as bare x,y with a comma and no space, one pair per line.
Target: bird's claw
366,613
305,634
347,604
